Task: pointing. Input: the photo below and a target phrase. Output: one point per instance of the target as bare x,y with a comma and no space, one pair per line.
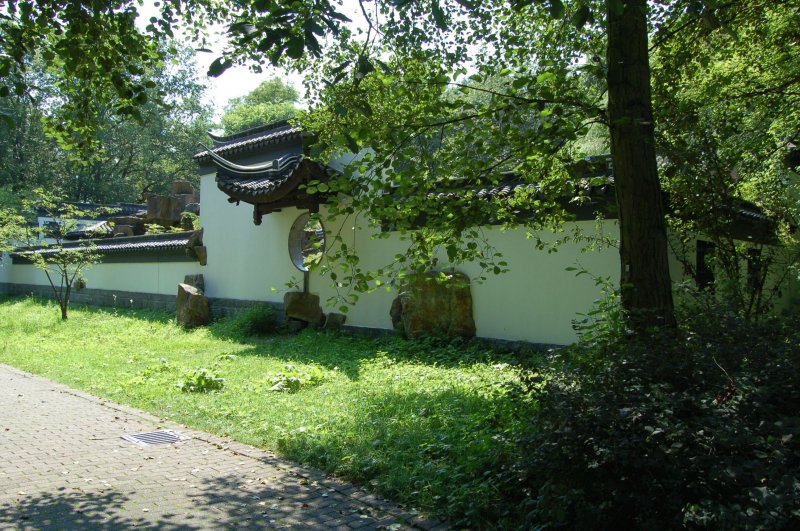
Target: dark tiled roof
250,140
265,183
752,213
159,242
503,189
107,210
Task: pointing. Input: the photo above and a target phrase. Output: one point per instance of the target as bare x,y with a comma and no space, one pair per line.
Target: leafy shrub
154,228
189,221
293,378
697,427
256,320
201,380
153,371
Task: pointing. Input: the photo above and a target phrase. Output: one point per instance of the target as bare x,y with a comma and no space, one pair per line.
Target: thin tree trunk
65,303
645,284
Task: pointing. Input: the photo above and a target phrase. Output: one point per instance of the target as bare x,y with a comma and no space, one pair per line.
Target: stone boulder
192,307
303,307
429,306
123,230
181,188
164,210
197,281
135,223
195,239
201,253
334,321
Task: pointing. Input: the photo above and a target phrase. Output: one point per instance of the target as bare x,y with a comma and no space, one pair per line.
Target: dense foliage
127,159
467,96
391,85
726,94
693,428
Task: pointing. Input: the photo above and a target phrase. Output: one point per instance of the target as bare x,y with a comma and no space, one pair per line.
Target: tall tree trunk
645,284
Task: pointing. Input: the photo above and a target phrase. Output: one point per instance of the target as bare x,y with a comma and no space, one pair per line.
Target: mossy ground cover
424,424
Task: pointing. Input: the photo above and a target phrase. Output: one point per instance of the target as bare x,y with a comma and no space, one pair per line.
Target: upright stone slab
303,307
431,307
334,321
197,281
164,210
192,307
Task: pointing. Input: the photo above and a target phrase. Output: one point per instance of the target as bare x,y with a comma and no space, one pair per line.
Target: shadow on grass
450,452
347,351
145,314
216,503
343,350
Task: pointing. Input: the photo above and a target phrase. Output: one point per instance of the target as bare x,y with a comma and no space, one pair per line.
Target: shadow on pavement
223,502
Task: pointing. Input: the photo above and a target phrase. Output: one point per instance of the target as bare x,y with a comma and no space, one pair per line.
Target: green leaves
556,8
581,16
7,118
438,15
351,142
219,66
295,46
272,100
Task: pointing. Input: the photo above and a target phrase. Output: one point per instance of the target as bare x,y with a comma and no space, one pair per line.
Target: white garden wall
536,301
135,277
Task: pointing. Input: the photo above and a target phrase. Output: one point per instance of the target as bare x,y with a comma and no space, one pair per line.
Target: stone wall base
220,307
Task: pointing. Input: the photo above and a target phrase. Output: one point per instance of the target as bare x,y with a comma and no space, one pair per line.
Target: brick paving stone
63,465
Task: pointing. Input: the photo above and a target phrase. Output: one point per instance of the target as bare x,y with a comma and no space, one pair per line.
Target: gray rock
430,307
123,230
396,314
201,253
126,220
181,187
196,238
334,321
303,307
135,223
192,307
197,281
164,210
294,326
194,208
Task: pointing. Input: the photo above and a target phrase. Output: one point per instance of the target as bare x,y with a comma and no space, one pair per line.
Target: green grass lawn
428,426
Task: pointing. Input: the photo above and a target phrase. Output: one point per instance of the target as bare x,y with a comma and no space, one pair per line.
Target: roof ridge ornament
272,166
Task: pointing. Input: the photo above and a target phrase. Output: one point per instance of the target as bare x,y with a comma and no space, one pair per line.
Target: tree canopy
271,101
561,71
399,85
126,158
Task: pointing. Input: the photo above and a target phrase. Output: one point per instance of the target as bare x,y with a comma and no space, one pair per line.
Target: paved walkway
63,465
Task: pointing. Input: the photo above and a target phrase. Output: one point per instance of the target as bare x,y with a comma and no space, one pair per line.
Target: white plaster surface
144,277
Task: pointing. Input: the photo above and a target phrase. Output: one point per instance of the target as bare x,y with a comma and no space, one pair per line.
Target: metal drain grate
152,438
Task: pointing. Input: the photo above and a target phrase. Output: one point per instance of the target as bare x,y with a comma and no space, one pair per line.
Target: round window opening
306,242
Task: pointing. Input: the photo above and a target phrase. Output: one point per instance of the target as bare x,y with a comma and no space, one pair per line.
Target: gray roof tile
146,243
250,143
